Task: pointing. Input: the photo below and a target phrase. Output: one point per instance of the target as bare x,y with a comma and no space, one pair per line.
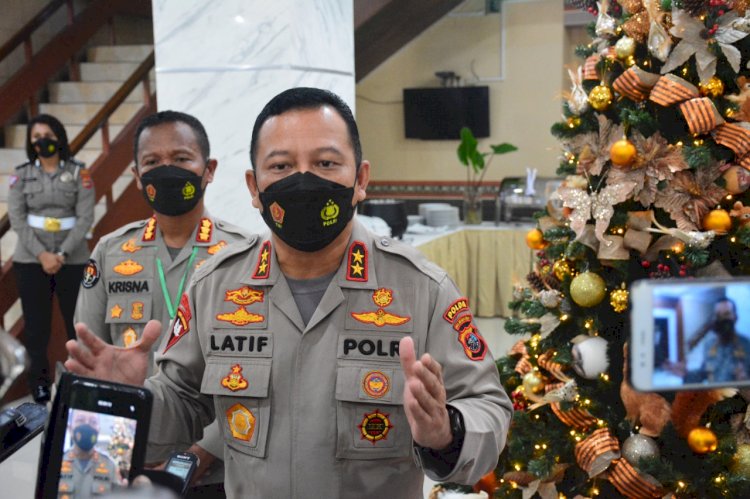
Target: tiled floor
18,474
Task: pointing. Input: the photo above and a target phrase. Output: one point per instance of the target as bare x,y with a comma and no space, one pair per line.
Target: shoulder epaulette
233,249
233,229
138,224
413,255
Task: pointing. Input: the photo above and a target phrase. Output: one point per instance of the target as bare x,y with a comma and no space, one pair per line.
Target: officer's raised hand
92,357
424,398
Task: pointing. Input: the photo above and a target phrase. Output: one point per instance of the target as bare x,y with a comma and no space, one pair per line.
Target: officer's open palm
92,357
424,398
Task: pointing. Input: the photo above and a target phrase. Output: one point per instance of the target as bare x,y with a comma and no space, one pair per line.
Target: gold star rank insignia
149,233
263,267
115,312
357,262
205,229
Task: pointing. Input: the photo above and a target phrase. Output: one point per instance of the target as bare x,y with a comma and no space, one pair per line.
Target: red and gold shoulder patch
472,342
136,312
376,384
129,246
382,297
181,323
240,317
356,262
212,250
241,422
149,233
455,308
375,426
205,230
86,181
234,380
129,336
128,267
91,274
243,296
263,267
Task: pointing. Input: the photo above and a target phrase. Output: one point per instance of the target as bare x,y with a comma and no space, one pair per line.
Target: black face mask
47,147
85,436
306,211
725,327
171,190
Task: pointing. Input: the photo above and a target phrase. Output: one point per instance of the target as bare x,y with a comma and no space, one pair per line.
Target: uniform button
385,242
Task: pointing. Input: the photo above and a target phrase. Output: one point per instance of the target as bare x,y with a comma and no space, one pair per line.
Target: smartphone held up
690,334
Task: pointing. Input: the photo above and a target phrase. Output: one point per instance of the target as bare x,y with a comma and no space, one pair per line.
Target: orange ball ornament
487,483
717,220
702,440
622,153
535,239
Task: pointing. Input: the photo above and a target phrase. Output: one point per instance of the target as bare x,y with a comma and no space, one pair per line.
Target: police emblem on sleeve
375,426
376,384
234,380
181,323
472,342
241,422
91,274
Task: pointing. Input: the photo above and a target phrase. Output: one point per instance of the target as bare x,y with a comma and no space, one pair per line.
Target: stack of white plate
441,216
425,207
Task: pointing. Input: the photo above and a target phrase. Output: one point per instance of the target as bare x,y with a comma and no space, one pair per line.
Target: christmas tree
656,153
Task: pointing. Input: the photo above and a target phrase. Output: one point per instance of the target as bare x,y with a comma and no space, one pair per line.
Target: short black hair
57,128
307,98
723,299
163,117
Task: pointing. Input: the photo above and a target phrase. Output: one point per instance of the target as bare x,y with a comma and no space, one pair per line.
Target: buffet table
485,261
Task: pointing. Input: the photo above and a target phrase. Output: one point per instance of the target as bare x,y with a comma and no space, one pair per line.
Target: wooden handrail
112,104
28,29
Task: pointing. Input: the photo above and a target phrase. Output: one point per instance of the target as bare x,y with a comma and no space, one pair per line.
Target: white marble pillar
221,61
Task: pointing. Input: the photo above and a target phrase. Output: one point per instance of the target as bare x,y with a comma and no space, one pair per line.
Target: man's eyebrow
329,149
275,153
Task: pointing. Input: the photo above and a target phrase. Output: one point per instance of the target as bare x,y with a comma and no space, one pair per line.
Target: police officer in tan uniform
138,272
86,472
51,208
305,345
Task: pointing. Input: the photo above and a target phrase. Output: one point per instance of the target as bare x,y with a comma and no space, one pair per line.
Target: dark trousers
36,290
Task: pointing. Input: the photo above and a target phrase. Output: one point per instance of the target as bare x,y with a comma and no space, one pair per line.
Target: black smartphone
182,465
95,440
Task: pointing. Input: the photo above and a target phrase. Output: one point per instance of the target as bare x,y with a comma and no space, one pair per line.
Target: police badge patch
375,426
181,323
91,274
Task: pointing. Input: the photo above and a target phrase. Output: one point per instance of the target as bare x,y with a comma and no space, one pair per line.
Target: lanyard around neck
172,304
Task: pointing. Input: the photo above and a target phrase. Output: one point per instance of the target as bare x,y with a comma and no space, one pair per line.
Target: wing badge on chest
382,298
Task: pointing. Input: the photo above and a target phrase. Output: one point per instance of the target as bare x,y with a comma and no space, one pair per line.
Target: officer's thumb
406,355
151,333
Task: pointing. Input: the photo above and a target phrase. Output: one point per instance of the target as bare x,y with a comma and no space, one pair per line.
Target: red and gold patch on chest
382,298
241,422
375,426
376,384
234,380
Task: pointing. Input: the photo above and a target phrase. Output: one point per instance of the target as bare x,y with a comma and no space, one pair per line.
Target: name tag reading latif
241,344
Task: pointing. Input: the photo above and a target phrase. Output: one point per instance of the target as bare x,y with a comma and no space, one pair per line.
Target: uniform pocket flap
127,309
236,377
370,384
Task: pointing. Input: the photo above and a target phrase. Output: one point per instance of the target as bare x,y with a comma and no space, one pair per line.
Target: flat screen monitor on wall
440,113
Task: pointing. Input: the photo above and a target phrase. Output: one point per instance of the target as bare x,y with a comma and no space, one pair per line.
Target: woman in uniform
51,208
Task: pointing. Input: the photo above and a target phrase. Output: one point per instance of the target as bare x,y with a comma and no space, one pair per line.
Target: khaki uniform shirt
121,289
98,477
316,410
69,192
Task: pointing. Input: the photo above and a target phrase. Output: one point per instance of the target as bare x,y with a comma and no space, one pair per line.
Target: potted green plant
476,164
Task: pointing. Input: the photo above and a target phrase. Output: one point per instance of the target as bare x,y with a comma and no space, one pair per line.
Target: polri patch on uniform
149,233
356,262
382,298
91,274
129,336
455,308
263,267
241,422
240,317
205,230
128,267
212,250
86,181
12,180
472,342
181,323
376,384
243,296
136,311
234,380
375,426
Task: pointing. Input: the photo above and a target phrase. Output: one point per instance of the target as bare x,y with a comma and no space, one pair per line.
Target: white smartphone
689,334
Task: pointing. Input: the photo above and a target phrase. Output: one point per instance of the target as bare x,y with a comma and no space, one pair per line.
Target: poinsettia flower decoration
696,40
691,195
593,148
657,161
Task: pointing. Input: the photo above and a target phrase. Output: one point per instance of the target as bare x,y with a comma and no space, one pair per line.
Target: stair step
10,158
74,92
110,71
118,53
15,135
80,114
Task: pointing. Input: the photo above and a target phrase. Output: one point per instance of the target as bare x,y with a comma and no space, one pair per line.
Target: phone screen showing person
697,332
95,439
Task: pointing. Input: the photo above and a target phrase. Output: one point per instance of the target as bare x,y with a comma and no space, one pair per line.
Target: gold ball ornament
702,440
574,122
741,461
736,179
717,220
625,47
588,289
533,382
622,153
713,88
535,239
618,298
562,269
600,97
